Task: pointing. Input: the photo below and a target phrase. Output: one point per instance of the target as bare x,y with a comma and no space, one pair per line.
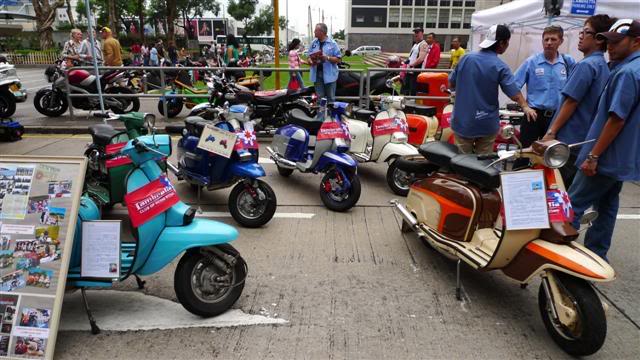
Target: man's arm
528,112
422,53
610,131
107,53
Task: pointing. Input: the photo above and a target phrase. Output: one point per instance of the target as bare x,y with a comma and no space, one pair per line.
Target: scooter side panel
360,133
571,258
247,169
392,149
175,240
291,142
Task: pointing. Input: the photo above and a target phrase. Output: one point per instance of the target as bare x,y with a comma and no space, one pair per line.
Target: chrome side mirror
389,83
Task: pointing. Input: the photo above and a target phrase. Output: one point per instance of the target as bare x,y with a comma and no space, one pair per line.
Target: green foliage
263,23
339,35
242,10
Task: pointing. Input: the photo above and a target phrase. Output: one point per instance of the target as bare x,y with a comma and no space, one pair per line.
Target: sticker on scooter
389,126
559,204
119,160
216,140
150,200
246,140
333,130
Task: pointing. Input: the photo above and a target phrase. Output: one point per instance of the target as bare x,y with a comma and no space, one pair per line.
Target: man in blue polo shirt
544,74
324,55
475,120
581,92
614,157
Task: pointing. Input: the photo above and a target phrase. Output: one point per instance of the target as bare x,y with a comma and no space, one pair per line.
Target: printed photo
55,216
9,313
38,205
29,260
36,318
5,242
113,268
25,246
4,345
6,328
13,281
39,278
6,258
59,189
48,234
30,346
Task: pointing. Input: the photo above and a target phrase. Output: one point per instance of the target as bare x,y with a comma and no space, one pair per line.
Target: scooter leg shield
571,258
173,241
339,159
393,149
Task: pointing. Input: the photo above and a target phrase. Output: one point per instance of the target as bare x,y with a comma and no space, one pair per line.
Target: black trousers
570,169
530,131
409,86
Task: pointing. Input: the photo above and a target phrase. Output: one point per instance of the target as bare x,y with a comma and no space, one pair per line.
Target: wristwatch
592,157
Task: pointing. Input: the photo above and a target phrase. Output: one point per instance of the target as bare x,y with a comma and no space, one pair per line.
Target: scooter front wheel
207,284
333,194
585,334
252,204
399,180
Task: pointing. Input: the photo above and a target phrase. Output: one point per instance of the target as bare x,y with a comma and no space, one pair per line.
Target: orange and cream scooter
457,210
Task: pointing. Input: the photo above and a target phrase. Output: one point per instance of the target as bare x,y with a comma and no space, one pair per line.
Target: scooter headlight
150,120
399,137
556,155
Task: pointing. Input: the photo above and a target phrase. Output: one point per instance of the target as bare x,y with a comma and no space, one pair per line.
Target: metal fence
364,97
34,58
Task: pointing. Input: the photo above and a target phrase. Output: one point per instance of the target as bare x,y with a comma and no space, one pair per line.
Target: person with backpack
545,74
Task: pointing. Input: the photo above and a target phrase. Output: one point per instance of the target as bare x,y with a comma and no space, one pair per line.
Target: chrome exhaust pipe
406,214
280,160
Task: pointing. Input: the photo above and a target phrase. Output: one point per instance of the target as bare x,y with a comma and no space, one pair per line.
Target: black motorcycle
349,82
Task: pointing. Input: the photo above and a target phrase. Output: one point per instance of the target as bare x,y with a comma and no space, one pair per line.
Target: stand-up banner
583,7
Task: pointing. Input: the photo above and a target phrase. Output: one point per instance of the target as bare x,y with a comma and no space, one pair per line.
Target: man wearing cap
614,157
544,74
416,57
111,50
581,92
475,121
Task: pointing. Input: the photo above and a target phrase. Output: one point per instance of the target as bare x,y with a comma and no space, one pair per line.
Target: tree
263,23
242,10
339,35
140,9
45,16
70,14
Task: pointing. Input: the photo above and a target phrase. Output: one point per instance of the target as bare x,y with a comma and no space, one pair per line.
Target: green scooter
105,178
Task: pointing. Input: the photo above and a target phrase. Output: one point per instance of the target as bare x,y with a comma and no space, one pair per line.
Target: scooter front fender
247,170
173,241
392,150
335,158
572,258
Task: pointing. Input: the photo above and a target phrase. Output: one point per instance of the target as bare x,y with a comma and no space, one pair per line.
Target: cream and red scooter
457,210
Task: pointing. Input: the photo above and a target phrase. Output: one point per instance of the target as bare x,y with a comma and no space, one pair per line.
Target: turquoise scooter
210,275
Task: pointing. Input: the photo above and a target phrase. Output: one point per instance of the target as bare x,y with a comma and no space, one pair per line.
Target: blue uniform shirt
544,80
479,73
621,159
585,84
329,70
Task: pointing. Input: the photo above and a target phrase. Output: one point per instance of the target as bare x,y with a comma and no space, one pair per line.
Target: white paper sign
101,249
18,229
217,141
525,202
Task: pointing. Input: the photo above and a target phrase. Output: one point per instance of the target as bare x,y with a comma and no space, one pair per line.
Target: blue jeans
601,192
327,91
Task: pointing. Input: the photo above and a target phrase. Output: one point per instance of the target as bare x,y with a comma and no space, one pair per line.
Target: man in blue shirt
475,119
581,92
324,56
614,157
544,74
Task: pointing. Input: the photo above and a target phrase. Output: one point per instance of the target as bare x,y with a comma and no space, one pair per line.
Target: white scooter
11,90
383,138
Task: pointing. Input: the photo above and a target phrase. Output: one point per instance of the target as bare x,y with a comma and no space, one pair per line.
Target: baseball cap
494,34
418,29
620,29
105,29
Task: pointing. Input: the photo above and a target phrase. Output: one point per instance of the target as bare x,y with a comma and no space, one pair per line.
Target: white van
367,50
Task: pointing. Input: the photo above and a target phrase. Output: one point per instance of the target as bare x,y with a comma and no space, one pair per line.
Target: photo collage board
38,205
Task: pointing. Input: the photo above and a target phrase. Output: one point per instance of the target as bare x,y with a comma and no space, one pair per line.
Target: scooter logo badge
389,126
150,200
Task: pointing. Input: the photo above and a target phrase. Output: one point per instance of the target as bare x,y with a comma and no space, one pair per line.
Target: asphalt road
350,285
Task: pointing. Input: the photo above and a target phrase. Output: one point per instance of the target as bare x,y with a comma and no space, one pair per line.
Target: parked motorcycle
53,101
457,211
209,277
383,138
348,83
10,90
319,145
252,202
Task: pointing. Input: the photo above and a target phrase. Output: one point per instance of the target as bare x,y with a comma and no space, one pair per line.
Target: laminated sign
217,141
150,200
560,209
119,160
333,130
389,126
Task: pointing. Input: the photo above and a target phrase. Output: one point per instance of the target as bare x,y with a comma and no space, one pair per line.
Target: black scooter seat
439,153
425,110
476,171
195,125
299,118
271,98
101,134
364,115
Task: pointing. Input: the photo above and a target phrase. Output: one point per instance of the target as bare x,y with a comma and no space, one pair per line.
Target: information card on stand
524,198
101,249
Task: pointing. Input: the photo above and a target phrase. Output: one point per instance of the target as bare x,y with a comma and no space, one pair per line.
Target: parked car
367,50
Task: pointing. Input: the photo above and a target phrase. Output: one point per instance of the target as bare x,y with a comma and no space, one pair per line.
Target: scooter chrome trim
280,160
392,150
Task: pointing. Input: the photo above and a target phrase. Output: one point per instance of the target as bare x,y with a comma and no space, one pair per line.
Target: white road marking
221,214
132,310
628,217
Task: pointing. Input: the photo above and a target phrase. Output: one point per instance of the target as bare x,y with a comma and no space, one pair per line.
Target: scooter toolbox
291,142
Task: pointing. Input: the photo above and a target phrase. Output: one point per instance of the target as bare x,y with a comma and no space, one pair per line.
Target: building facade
389,23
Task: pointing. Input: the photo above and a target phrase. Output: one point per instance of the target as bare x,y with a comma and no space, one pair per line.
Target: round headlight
556,155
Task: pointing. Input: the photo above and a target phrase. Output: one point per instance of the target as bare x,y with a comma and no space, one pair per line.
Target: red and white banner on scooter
246,140
150,200
559,204
389,126
117,161
333,130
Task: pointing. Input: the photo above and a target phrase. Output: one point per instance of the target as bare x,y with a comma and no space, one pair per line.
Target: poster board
525,200
39,202
101,249
217,141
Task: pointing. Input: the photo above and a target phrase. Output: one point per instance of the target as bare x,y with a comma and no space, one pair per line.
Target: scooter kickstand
95,330
140,282
199,209
458,284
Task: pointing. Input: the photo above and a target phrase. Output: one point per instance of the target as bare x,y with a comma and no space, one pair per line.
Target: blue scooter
210,275
252,202
316,145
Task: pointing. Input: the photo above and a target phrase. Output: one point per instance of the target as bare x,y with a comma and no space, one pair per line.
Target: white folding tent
527,19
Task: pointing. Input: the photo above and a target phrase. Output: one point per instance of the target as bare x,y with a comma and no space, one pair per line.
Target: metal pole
286,15
66,82
93,56
361,103
368,88
164,95
276,28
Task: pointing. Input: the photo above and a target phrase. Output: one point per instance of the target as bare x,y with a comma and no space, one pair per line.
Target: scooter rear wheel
7,104
248,211
198,281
